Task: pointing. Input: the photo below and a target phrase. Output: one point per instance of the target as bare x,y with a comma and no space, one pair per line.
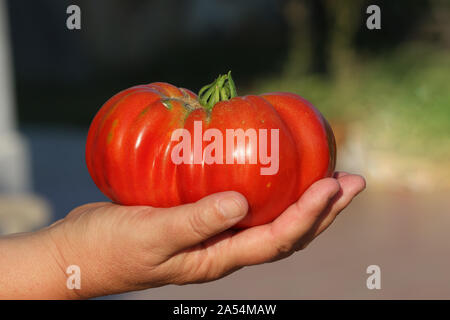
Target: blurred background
385,92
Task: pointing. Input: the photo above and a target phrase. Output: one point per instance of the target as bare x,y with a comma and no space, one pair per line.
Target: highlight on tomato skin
163,146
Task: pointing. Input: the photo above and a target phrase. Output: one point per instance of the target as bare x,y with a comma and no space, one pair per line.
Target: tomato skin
128,149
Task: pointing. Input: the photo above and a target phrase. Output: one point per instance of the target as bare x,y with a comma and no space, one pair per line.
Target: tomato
130,147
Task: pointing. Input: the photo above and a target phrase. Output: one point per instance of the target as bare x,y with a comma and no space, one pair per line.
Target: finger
351,186
187,225
339,174
86,207
264,243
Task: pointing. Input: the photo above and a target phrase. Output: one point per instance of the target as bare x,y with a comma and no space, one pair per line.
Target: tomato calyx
186,101
222,89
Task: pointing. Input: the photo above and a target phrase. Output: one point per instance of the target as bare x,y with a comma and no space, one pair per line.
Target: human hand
120,249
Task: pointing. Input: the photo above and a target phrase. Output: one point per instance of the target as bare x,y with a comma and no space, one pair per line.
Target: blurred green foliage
402,98
393,83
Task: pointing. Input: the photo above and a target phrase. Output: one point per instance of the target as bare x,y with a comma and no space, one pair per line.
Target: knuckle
215,212
301,246
199,225
283,248
205,218
196,268
205,270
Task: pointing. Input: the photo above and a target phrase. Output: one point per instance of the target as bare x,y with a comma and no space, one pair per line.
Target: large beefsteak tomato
130,147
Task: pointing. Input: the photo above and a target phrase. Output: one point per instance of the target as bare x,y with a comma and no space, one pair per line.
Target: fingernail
231,208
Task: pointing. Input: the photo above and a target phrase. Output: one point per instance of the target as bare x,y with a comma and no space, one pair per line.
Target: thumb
187,225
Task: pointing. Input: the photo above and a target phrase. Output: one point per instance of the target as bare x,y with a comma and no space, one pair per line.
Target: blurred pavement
405,235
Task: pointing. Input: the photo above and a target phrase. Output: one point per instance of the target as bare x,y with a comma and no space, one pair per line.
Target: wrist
76,255
57,250
30,269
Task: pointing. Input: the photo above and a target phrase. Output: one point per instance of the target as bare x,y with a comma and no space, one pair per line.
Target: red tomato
129,147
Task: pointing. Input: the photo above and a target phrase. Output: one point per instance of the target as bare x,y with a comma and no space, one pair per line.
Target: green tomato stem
222,89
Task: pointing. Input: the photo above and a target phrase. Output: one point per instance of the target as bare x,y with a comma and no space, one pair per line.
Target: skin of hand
121,249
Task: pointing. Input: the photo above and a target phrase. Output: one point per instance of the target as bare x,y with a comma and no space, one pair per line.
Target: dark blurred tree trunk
322,33
296,13
345,19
